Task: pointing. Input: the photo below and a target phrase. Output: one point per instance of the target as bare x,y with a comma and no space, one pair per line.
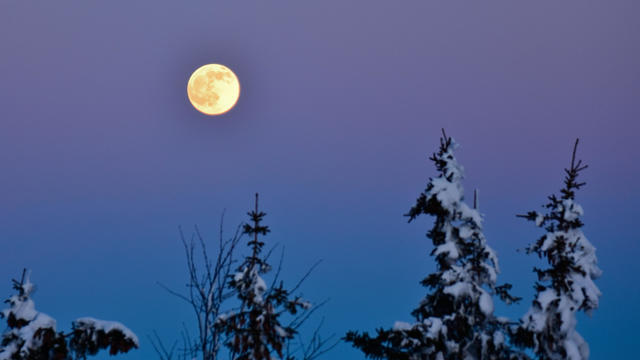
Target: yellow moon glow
213,89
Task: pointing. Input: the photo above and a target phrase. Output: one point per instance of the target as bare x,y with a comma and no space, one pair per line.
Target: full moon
213,89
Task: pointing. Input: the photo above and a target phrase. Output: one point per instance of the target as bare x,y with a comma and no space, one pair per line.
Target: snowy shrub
32,335
90,335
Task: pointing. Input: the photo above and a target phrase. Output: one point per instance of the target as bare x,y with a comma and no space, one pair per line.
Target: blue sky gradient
103,157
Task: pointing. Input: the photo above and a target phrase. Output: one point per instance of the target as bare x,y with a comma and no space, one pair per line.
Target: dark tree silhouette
213,285
256,329
207,292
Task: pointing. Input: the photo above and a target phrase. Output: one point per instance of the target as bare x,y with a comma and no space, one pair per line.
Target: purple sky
103,157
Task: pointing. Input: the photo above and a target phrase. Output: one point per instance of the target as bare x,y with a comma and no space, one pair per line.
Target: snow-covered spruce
567,286
254,331
455,320
31,335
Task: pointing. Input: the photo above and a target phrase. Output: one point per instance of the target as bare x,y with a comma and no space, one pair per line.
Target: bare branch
206,292
159,347
295,288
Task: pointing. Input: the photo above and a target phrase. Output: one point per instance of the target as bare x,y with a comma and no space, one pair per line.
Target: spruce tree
32,335
567,285
255,331
455,320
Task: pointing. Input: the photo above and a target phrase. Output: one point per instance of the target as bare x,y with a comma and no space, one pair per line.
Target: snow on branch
32,334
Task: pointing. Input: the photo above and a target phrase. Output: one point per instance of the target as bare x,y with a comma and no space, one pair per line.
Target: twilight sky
102,156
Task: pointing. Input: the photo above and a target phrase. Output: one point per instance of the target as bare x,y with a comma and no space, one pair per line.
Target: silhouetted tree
566,286
256,330
207,292
213,285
